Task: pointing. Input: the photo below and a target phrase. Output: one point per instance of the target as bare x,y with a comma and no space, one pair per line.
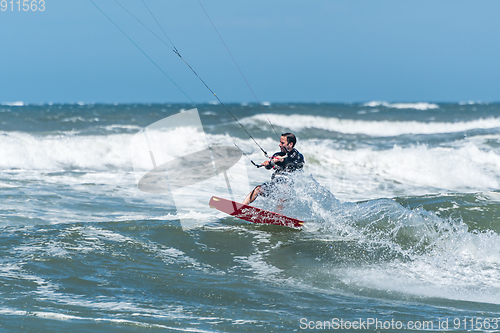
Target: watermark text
466,323
22,5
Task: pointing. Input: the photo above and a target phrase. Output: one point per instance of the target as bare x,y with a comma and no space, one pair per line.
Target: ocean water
400,202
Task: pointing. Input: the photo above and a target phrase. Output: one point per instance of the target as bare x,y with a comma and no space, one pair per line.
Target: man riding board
283,162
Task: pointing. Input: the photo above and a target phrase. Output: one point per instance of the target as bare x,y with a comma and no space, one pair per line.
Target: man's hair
290,137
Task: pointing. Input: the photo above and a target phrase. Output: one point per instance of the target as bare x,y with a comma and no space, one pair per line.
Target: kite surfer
284,162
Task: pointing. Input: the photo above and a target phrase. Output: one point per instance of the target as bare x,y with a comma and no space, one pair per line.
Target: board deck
253,214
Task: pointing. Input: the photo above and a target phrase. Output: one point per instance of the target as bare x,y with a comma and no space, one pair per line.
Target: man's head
287,142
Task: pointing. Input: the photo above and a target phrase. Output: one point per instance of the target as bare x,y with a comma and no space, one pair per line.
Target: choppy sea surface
400,202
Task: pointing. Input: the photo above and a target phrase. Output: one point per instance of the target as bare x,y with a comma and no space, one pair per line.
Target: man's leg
252,195
281,201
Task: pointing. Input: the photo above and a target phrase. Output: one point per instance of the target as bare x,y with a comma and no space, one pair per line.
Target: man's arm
269,164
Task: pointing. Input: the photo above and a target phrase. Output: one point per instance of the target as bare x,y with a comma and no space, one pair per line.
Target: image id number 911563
22,5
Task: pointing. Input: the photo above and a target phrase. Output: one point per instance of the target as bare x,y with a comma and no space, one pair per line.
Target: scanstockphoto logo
173,156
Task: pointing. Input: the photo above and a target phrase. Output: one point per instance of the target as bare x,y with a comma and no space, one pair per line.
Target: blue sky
289,51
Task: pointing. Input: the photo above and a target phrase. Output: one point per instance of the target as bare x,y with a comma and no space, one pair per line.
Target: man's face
284,145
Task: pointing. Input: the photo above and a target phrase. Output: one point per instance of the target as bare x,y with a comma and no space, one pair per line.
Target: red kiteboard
253,214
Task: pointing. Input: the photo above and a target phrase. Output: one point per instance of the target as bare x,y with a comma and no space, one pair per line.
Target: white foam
461,266
366,173
65,317
471,103
438,167
26,151
417,106
352,174
257,264
13,103
384,128
410,251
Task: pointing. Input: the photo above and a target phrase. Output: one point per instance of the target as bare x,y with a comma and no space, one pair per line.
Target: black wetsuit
293,162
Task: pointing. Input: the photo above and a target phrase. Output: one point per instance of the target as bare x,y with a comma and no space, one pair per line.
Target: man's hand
273,160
